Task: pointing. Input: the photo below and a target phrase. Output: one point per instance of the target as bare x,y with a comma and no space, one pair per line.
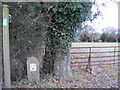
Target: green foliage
26,34
26,28
111,34
104,37
65,18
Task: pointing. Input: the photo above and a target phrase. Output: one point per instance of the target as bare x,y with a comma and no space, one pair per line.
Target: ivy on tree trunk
64,18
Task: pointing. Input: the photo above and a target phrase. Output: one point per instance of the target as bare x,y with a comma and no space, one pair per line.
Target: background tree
104,37
111,34
96,37
87,34
118,35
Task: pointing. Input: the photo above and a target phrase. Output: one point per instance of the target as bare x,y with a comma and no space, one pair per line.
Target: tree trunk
48,60
62,64
56,61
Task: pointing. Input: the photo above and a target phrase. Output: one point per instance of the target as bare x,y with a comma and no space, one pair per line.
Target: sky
109,17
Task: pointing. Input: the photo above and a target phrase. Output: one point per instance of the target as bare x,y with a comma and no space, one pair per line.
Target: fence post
1,49
6,56
114,53
89,63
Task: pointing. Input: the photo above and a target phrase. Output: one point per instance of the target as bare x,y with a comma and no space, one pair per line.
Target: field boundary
112,57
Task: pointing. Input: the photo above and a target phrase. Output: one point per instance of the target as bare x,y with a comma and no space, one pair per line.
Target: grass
93,44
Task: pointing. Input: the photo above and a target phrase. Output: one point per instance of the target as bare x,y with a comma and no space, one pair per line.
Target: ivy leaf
49,7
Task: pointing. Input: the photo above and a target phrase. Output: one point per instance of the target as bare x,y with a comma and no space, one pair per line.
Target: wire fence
108,55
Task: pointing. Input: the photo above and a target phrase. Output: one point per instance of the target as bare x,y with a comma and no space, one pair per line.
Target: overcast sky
109,16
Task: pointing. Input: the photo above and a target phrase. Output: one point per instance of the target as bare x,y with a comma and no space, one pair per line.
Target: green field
81,44
93,44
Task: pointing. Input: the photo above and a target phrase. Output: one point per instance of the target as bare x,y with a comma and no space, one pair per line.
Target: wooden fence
107,55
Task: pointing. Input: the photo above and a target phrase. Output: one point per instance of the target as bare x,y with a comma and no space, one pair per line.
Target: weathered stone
33,69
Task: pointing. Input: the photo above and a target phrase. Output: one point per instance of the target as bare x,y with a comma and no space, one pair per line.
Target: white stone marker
33,69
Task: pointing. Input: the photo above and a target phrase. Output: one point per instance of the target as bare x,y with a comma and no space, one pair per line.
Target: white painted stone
33,69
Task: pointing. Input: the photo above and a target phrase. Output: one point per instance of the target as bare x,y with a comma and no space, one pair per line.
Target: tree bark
62,64
56,61
48,60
